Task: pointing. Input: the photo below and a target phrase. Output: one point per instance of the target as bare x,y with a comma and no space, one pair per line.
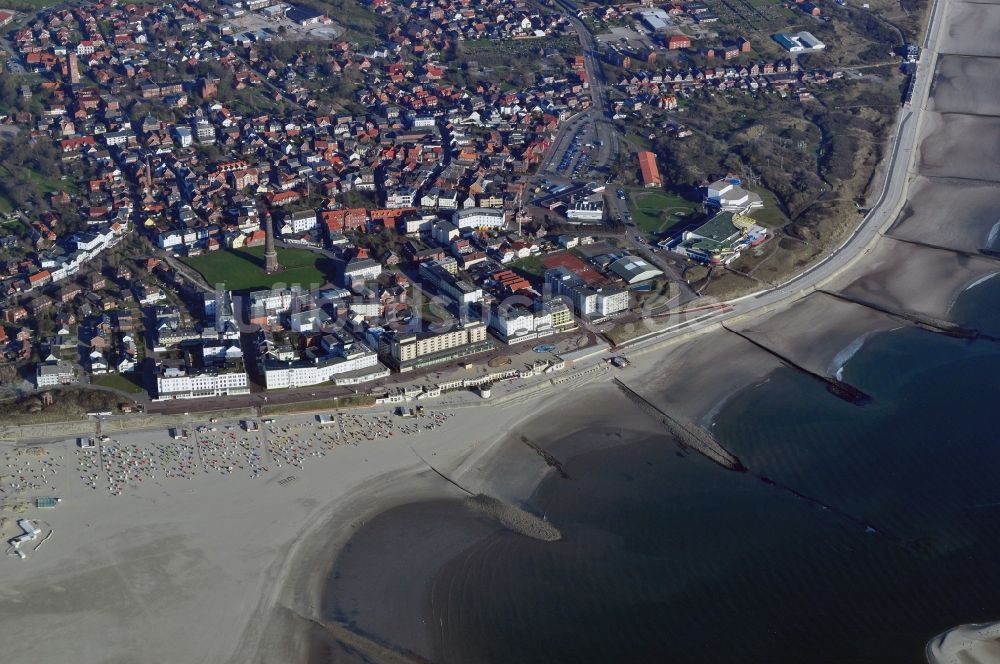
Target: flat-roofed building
187,383
407,351
720,240
479,217
634,270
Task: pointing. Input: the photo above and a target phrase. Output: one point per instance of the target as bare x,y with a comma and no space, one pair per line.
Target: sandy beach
222,547
966,644
151,535
972,224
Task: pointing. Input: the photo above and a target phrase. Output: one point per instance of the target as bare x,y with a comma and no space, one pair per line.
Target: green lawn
531,265
44,183
119,382
770,215
361,199
655,211
243,269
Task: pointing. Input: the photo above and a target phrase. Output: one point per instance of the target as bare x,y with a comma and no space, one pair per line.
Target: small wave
994,235
845,355
979,281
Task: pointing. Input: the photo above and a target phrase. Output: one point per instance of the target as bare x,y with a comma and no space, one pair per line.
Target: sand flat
906,277
967,644
145,570
957,214
821,349
966,84
972,29
954,145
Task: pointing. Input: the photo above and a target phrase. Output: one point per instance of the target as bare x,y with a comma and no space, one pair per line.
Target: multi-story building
517,324
589,302
562,315
400,198
585,211
189,383
478,217
345,359
449,284
299,221
407,351
55,373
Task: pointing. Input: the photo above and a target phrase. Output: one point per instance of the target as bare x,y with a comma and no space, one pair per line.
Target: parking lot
269,28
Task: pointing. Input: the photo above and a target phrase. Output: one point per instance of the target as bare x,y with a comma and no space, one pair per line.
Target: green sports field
655,211
243,269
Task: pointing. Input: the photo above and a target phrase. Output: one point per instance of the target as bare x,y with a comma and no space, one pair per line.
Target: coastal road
876,222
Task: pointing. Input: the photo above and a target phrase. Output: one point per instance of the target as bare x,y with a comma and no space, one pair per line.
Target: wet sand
960,146
823,349
911,278
957,214
966,644
433,531
966,84
972,29
693,380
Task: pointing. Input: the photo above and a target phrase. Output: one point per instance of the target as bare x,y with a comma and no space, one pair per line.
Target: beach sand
792,332
180,570
972,220
911,278
954,145
972,29
965,84
693,380
966,644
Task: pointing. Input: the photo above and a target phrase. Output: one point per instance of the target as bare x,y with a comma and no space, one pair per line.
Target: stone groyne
928,323
689,435
514,518
838,388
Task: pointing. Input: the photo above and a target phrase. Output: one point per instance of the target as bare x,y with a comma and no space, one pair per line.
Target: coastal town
369,331
226,199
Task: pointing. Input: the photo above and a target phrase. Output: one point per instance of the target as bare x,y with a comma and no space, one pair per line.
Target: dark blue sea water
669,558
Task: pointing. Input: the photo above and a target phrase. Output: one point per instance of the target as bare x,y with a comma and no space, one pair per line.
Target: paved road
871,229
878,219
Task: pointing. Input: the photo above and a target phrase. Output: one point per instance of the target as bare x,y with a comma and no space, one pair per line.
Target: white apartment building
182,383
280,374
400,198
299,222
55,373
517,324
478,217
588,301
